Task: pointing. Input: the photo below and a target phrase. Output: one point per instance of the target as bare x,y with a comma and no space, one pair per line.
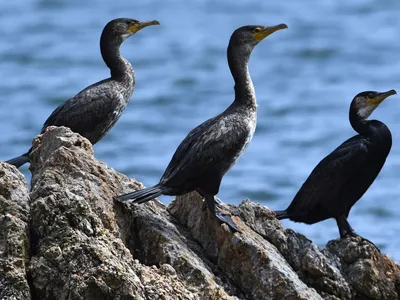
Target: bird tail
281,214
19,161
143,195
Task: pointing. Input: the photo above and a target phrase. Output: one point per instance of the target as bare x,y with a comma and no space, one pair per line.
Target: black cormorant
212,148
96,109
342,177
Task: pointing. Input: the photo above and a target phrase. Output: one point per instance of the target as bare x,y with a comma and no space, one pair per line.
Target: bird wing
327,179
204,147
86,111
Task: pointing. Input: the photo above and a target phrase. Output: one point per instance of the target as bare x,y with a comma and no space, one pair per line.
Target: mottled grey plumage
212,148
343,176
95,110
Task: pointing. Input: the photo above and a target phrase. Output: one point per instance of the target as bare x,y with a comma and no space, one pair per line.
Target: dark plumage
94,110
343,176
212,148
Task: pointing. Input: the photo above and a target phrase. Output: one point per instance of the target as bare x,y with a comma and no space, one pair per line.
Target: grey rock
84,245
14,250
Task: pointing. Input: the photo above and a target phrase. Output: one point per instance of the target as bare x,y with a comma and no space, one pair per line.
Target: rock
14,249
84,245
250,261
371,274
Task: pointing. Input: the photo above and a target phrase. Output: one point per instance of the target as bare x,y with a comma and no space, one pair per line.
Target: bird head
122,28
249,36
365,103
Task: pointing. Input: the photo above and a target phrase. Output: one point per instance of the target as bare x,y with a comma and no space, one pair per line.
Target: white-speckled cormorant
94,110
212,148
342,177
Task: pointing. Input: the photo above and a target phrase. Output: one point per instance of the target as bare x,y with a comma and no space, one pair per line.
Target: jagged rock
79,230
14,250
84,245
250,261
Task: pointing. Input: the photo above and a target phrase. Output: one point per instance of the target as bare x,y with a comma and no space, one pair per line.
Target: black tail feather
19,161
143,195
281,214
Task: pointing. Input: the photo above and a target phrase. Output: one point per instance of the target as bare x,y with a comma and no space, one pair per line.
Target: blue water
305,78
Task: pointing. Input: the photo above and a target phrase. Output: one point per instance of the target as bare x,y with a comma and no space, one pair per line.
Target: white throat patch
125,36
366,111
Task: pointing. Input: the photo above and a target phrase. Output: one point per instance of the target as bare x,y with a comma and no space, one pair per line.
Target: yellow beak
259,36
380,97
135,28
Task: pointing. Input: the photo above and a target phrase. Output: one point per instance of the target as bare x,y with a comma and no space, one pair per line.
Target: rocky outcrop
84,245
14,232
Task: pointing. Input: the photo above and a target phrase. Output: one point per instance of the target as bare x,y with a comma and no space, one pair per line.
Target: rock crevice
84,245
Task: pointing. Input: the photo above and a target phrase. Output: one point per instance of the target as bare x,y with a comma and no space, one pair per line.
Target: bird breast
251,123
245,127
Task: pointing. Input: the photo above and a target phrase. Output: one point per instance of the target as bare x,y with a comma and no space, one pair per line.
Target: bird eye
258,29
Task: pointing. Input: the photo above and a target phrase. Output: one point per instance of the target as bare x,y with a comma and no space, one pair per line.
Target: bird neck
238,59
367,128
120,68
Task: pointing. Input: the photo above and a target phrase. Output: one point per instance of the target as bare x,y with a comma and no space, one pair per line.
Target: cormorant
94,110
342,177
212,148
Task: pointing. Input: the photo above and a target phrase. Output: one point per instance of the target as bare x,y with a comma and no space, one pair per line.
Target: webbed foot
227,219
353,233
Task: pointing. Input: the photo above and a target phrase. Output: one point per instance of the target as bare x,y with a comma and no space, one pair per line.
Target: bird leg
219,213
346,229
218,202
